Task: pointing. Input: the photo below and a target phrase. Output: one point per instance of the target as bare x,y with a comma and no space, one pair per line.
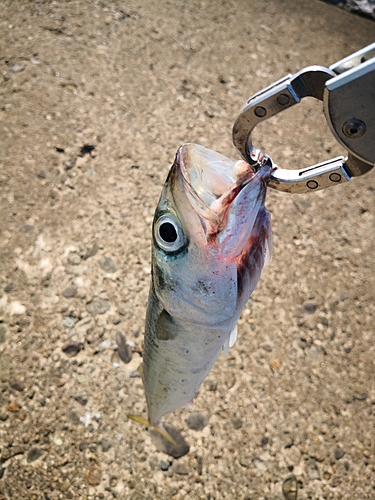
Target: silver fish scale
173,369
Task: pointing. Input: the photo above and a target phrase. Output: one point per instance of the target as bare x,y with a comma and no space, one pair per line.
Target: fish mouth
209,174
225,195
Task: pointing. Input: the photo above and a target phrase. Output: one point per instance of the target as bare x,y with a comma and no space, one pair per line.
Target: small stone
70,291
57,440
18,386
339,453
81,399
161,444
237,423
3,333
290,488
72,348
360,397
68,322
211,385
3,417
69,164
164,465
34,454
14,407
17,68
260,464
336,481
124,351
310,307
93,474
93,251
180,468
16,308
27,228
275,363
74,259
312,470
8,288
60,382
327,475
264,441
113,481
266,347
196,421
42,175
98,306
107,265
105,444
116,321
122,309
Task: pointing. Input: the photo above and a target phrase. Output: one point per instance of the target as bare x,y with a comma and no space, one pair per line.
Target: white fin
230,341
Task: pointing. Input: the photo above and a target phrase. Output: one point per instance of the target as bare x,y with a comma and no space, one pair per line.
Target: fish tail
158,427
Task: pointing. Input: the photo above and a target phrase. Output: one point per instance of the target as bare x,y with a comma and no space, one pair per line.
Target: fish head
211,236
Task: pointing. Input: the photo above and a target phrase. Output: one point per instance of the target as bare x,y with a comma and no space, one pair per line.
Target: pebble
124,351
68,322
16,308
93,251
17,68
98,306
74,259
3,333
122,309
14,407
70,291
93,474
107,265
113,481
161,444
312,470
196,421
3,417
27,228
339,453
237,423
105,444
260,464
180,468
290,488
81,399
18,386
72,348
34,453
211,385
310,307
164,465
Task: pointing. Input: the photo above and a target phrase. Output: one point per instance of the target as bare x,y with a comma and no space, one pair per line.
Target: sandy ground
96,97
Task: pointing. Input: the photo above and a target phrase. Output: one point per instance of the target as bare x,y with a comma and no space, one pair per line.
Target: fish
211,238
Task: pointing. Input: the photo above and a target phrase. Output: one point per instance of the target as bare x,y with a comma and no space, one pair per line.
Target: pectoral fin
230,341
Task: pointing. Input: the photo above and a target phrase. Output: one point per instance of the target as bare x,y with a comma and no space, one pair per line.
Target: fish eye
168,234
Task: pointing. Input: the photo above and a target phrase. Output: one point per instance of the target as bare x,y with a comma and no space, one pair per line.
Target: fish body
211,239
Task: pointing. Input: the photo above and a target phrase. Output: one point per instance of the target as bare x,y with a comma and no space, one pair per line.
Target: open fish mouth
225,196
211,174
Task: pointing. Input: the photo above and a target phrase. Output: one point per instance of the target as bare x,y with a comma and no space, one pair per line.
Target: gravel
135,80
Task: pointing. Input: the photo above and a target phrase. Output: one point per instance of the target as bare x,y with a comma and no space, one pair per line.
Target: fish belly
177,358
